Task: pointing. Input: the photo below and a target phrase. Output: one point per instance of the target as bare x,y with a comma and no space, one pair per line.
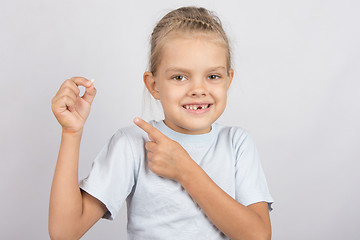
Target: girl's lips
197,108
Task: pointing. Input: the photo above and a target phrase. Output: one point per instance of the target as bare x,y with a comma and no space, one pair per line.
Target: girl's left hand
167,158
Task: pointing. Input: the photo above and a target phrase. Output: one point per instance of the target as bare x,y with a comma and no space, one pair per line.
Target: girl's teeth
195,107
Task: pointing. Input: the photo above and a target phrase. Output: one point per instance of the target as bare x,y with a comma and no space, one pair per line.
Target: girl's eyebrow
176,69
217,68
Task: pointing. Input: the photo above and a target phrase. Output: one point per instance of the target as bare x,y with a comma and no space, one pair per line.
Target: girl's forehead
190,41
191,46
192,52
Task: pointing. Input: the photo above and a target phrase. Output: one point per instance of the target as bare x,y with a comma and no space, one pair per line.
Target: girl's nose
198,89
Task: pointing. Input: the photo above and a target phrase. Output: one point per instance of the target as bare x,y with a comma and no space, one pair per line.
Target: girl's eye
214,77
179,78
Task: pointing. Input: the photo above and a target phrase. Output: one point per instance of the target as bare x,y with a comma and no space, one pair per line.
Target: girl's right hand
69,108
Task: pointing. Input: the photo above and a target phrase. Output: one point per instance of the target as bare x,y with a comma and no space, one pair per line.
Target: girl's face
191,82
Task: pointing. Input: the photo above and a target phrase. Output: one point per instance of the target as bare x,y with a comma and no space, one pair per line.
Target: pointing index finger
153,133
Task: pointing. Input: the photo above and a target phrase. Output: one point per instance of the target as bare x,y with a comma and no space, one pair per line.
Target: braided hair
188,20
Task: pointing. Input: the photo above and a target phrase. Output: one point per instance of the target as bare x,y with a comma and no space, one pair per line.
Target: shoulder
129,133
132,133
235,133
237,137
126,143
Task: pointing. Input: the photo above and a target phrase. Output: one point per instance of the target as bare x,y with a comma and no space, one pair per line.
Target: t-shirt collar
186,138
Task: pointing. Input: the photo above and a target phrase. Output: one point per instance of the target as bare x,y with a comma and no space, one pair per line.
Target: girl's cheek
221,92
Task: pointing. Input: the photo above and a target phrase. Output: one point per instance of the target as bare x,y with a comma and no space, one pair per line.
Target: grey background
296,89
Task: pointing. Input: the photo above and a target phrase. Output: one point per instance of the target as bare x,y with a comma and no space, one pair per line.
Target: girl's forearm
232,218
65,206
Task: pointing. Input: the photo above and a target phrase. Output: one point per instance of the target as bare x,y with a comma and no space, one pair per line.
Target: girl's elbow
57,233
264,236
259,235
61,236
54,235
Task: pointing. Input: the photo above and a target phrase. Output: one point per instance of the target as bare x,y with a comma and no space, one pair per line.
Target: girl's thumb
90,92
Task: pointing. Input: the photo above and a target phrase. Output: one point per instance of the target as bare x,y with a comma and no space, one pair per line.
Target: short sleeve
251,185
112,176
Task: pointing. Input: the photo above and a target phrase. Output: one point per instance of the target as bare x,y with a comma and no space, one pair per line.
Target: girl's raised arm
71,211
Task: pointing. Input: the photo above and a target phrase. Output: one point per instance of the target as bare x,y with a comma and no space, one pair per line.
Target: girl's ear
231,76
150,84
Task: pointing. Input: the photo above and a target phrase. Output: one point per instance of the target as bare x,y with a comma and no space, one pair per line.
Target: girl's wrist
72,133
190,170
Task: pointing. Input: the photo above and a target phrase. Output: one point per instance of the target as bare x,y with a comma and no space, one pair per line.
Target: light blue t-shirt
160,208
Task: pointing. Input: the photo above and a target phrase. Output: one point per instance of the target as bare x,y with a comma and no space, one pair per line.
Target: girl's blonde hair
186,19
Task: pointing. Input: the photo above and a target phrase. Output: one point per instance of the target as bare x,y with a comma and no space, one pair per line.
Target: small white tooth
192,107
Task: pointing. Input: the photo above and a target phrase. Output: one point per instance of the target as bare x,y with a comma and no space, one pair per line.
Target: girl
185,177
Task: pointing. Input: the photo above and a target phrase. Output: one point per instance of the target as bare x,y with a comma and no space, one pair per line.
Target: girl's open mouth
197,108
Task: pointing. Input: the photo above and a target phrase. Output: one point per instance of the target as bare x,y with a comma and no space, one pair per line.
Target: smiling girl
185,177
